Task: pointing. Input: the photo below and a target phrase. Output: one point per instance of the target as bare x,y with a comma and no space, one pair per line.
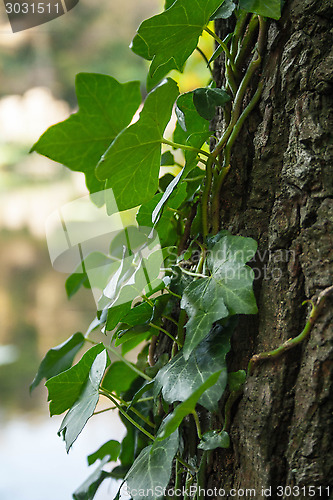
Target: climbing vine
173,283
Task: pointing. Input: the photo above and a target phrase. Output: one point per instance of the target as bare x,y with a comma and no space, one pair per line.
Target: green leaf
179,379
105,108
214,439
236,380
88,489
116,314
266,8
224,11
118,378
139,314
74,283
58,359
111,449
192,129
227,291
167,158
65,388
132,162
169,38
152,469
78,415
206,99
173,421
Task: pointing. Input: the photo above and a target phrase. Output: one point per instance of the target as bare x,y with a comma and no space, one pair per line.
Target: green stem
292,342
131,408
181,324
190,273
203,55
175,145
201,477
124,360
172,293
130,419
233,396
224,47
166,333
216,199
197,423
205,198
247,41
238,33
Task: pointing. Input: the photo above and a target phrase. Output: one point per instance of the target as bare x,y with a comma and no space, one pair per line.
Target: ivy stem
237,33
233,396
290,343
185,464
190,273
216,198
201,476
246,42
173,293
181,324
175,145
124,360
197,423
130,419
205,198
166,333
204,57
131,408
224,47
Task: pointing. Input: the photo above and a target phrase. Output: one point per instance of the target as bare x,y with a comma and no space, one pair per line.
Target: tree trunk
279,192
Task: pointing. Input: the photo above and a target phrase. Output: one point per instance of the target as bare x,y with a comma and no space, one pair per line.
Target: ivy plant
184,321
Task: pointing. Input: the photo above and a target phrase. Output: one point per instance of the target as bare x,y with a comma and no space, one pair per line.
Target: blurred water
33,460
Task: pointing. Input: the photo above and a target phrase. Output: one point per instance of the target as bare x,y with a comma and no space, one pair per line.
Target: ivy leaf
173,421
58,359
206,99
78,415
224,11
236,380
266,8
179,379
105,108
227,291
167,159
65,388
191,129
74,283
214,439
169,38
139,314
132,162
152,469
118,378
88,489
110,449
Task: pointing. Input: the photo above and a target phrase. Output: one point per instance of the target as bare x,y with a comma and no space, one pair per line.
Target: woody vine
183,321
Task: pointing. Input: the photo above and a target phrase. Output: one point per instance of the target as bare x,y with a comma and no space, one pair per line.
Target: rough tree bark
280,193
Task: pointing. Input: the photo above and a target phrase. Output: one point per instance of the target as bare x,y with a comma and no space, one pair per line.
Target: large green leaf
132,162
169,38
88,489
151,471
105,108
118,377
65,388
179,379
173,421
58,359
214,439
227,291
206,99
78,415
266,8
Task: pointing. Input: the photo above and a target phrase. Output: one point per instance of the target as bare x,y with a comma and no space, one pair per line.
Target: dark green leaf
152,469
88,489
224,11
236,380
192,130
105,108
58,359
266,8
132,162
78,415
118,378
227,291
179,379
214,439
111,449
167,158
116,314
206,99
168,39
146,387
173,421
74,283
65,388
139,314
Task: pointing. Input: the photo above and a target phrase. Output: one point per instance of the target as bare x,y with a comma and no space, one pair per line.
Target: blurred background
38,68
